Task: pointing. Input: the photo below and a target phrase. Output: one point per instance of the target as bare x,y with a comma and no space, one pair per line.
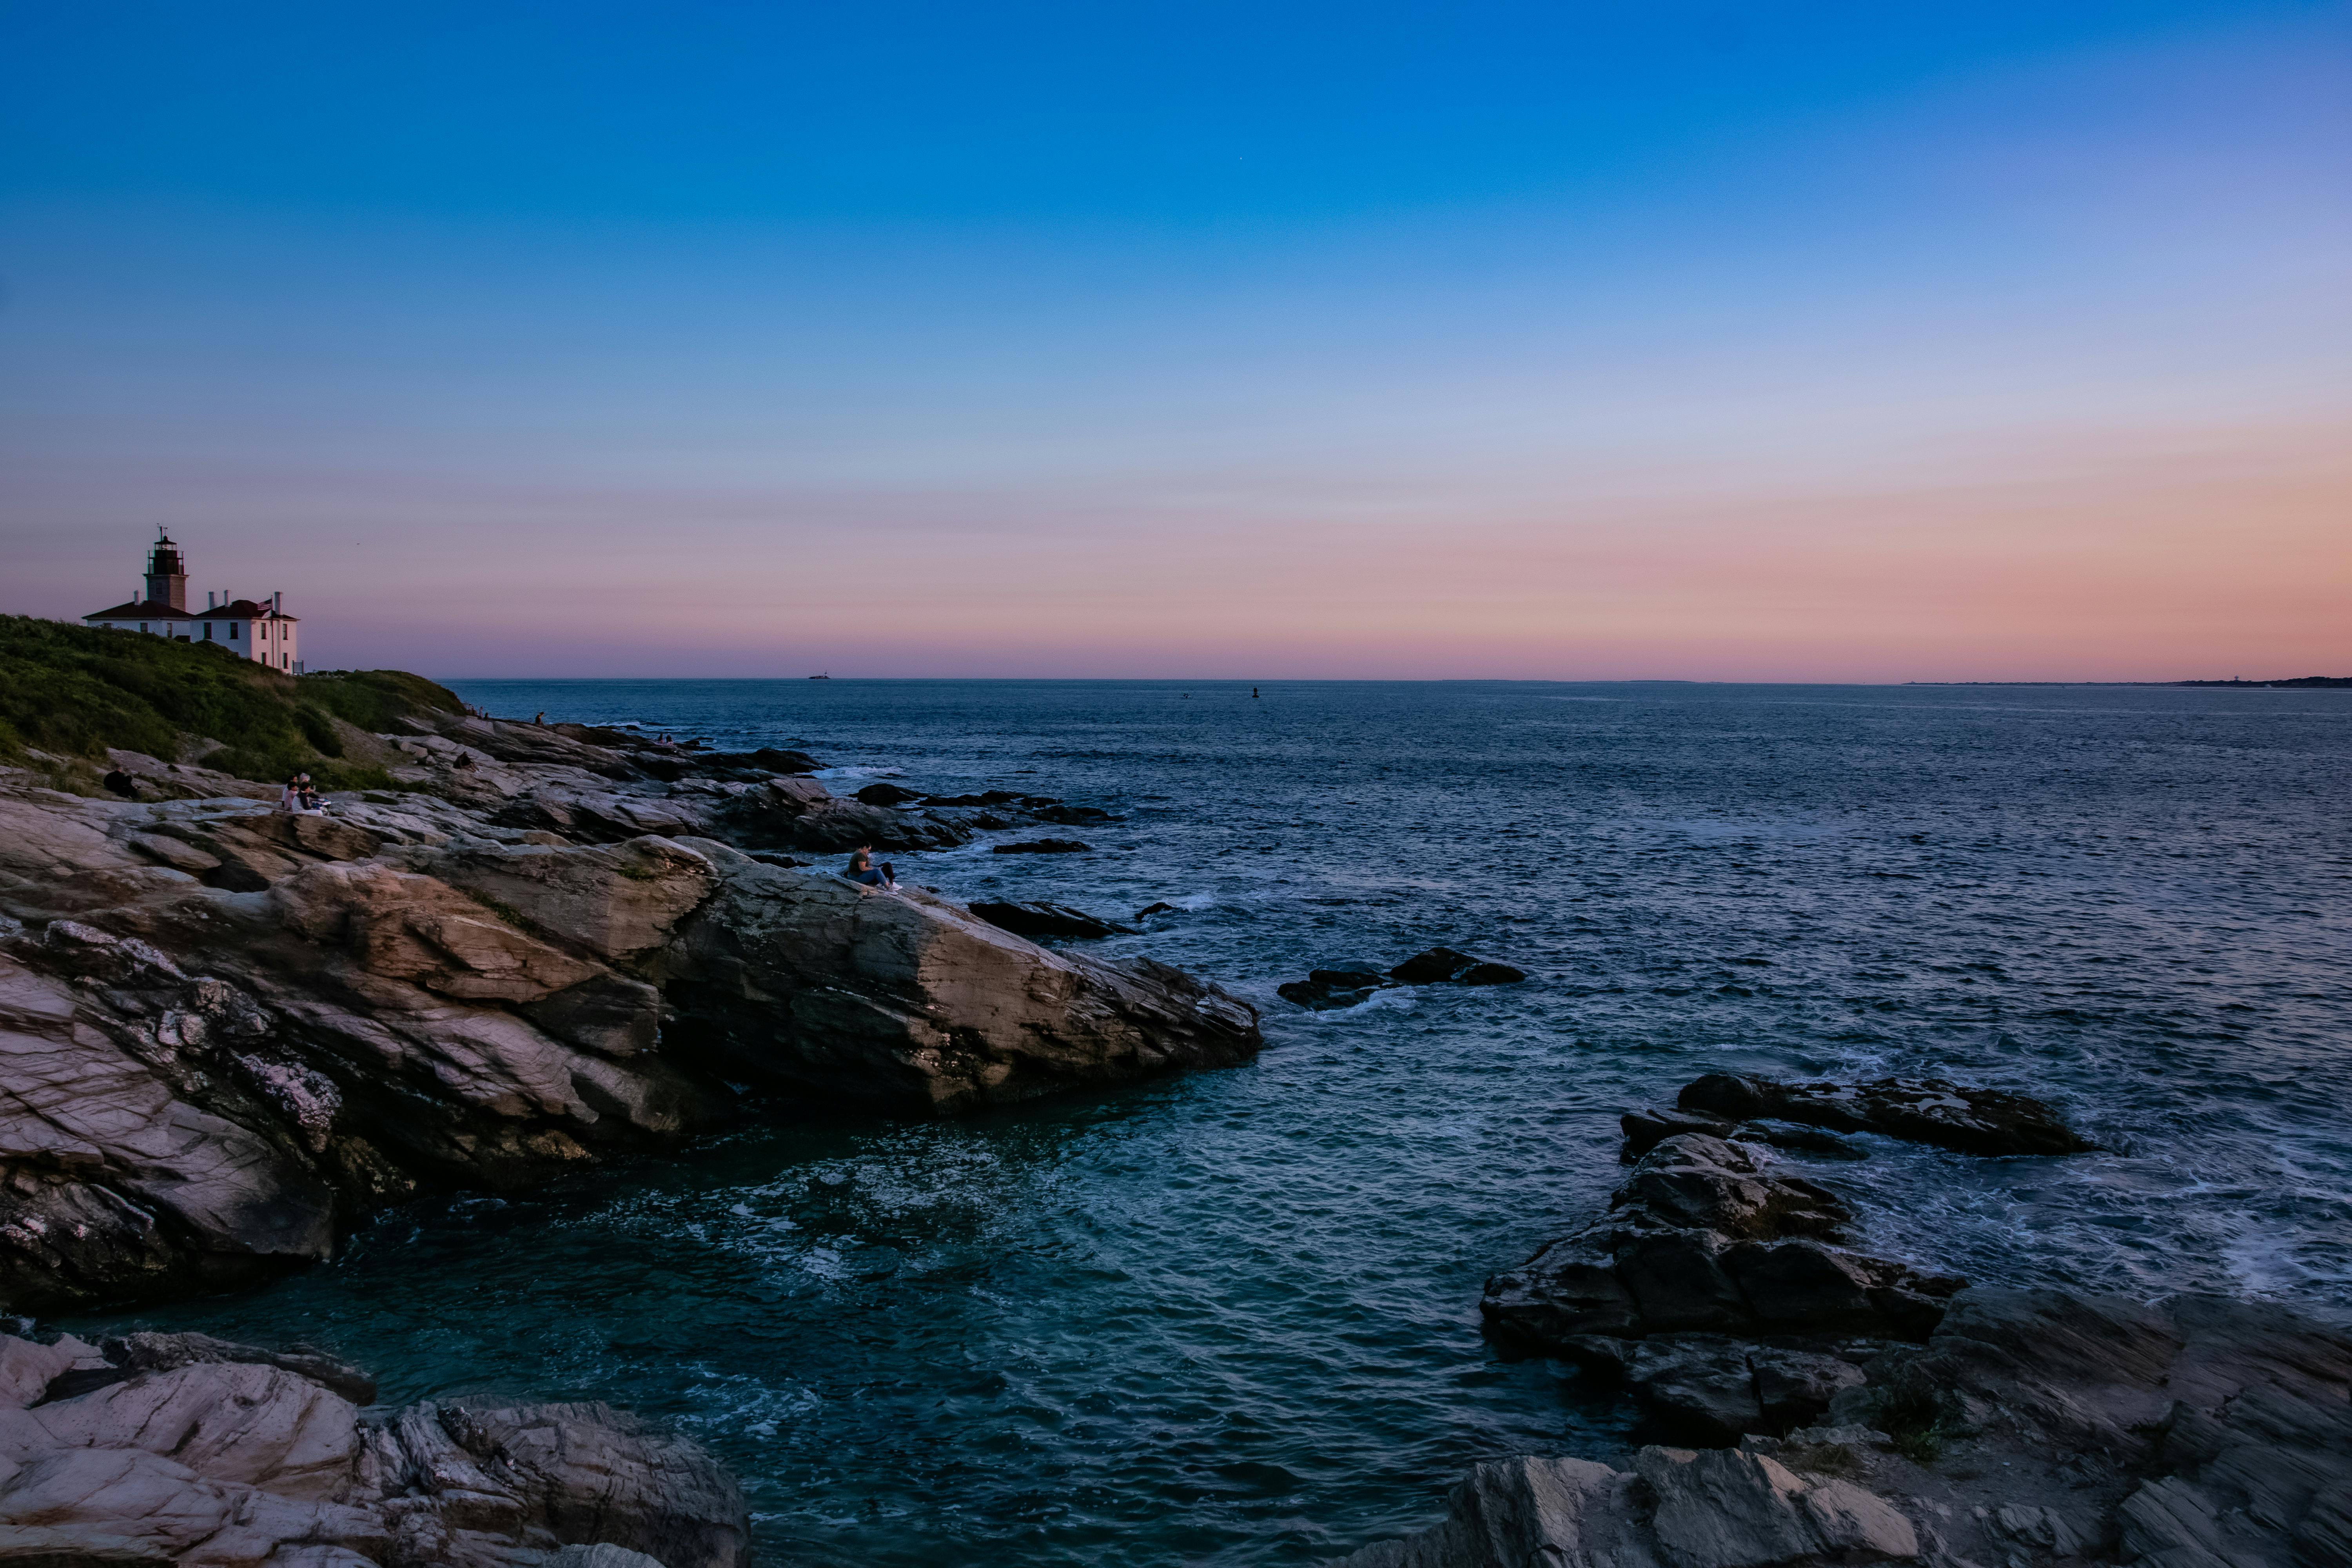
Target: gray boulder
1674,1508
212,1453
805,979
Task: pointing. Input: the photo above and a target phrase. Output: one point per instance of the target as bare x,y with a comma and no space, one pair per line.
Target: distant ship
828,676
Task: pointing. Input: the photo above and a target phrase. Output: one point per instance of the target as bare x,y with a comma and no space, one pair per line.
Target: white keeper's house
250,628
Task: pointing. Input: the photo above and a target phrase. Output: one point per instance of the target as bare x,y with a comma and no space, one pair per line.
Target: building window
142,625
208,631
233,632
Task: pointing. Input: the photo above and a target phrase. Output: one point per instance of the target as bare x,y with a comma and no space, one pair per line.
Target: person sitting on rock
865,873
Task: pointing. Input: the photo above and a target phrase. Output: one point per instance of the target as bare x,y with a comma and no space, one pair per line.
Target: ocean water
1231,1318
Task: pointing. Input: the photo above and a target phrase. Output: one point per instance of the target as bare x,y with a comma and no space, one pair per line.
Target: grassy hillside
76,690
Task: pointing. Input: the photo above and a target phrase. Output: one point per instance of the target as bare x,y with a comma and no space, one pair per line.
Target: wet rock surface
182,1448
1042,846
1701,1236
227,1033
1920,1110
1353,983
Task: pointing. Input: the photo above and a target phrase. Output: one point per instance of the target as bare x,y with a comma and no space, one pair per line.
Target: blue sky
1813,340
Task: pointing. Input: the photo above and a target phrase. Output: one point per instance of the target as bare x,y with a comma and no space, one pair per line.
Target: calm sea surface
1231,1318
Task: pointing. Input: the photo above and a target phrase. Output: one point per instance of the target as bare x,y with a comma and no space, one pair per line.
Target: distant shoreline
2300,683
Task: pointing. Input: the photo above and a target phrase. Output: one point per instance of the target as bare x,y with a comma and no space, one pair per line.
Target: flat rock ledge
179,1449
2034,1430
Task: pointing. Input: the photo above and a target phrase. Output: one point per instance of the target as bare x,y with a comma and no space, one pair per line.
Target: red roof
156,610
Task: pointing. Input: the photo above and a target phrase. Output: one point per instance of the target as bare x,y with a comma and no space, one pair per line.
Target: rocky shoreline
227,1033
1823,1406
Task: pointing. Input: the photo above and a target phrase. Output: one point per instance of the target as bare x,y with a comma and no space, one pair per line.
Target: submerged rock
1920,1110
1442,966
1042,846
169,1447
1352,983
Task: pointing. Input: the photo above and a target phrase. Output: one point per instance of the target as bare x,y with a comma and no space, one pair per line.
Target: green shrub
77,690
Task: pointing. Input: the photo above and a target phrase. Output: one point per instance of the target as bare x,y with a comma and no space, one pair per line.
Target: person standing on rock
865,873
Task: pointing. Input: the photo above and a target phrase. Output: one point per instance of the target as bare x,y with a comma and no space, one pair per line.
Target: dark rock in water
1696,1182
1921,1110
1434,967
782,762
1042,846
992,798
1349,983
1440,966
1700,1237
183,1448
1799,1138
1644,1129
1071,815
1161,908
887,794
1043,918
1322,996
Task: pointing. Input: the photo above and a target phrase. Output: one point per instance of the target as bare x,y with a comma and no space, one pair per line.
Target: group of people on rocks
299,795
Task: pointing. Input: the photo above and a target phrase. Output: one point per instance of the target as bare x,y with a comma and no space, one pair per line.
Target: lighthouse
257,630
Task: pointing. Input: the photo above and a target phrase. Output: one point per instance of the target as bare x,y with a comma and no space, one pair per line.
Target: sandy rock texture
186,1449
226,1031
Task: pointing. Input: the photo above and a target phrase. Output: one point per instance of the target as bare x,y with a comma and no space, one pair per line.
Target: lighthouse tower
167,575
